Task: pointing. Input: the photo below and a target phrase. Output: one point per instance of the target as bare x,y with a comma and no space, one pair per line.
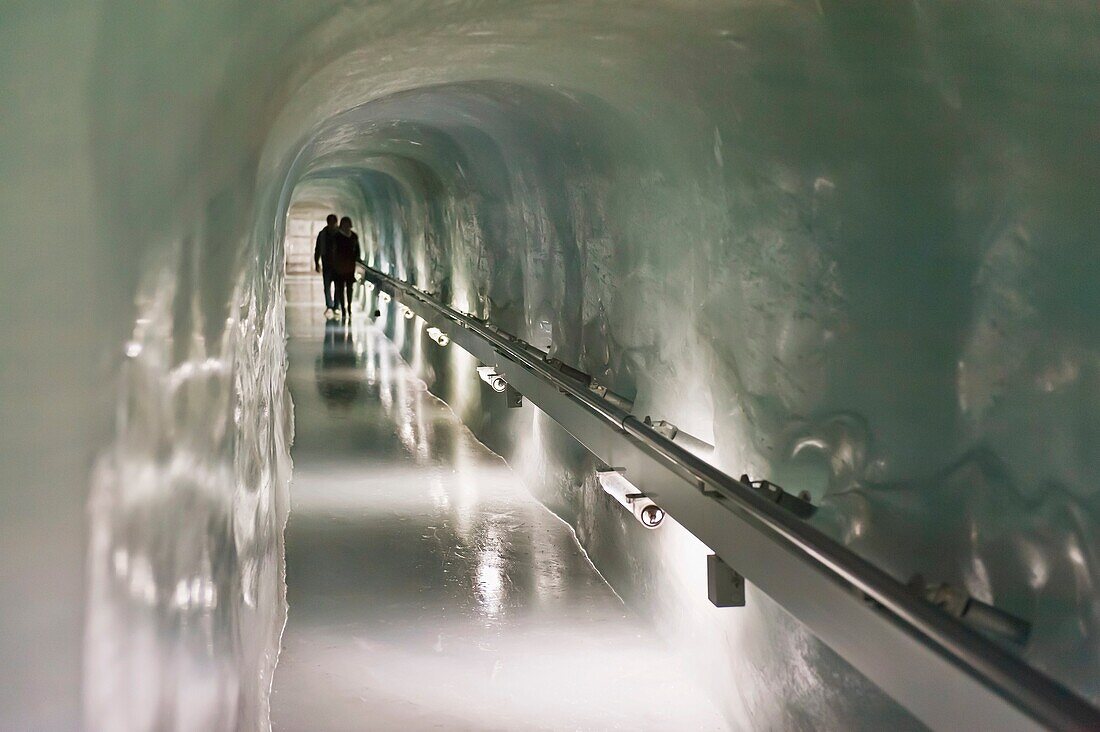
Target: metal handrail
1038,697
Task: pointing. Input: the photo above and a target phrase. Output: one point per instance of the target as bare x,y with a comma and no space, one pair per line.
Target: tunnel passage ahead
426,588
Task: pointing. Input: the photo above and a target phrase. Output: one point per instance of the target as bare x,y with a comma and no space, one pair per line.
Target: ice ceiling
852,244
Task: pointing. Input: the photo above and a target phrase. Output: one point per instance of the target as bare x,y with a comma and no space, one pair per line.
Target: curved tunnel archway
849,246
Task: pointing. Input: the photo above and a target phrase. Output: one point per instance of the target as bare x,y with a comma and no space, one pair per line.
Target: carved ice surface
187,512
852,245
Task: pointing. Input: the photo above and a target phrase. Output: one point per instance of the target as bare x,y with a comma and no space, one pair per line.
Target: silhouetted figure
322,262
345,253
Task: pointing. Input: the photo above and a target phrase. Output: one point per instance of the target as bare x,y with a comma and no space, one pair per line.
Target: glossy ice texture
852,244
426,587
187,512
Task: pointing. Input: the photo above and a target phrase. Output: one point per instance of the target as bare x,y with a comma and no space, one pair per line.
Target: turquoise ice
852,245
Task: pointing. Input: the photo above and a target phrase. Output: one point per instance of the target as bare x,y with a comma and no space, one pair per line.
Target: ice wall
49,412
852,244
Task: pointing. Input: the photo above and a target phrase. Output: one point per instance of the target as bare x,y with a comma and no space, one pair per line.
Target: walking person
345,253
322,262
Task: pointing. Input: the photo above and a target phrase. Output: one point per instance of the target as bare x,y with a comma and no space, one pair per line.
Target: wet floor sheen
427,589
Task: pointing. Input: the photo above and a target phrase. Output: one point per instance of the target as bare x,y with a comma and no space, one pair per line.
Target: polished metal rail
946,674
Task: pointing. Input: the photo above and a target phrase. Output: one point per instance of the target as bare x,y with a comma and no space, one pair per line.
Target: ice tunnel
846,248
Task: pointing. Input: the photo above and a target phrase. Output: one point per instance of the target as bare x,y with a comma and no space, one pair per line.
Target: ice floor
426,588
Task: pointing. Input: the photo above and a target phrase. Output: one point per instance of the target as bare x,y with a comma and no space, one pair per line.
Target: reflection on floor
427,589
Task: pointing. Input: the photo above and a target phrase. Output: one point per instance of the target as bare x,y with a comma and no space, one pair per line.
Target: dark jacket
322,252
345,253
